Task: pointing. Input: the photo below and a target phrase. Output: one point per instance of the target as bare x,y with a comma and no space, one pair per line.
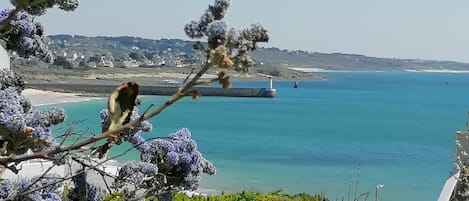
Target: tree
136,55
168,164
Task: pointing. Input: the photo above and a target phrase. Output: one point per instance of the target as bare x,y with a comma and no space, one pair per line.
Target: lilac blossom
219,9
140,144
26,36
194,29
6,188
48,188
27,128
10,79
40,6
140,174
23,34
180,158
198,29
217,33
67,5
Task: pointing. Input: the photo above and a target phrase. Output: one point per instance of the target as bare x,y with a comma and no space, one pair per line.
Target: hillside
121,47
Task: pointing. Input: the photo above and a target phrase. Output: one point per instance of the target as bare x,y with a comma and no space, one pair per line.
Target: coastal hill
157,50
339,61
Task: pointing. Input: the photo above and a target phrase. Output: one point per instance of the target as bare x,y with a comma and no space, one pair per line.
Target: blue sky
418,29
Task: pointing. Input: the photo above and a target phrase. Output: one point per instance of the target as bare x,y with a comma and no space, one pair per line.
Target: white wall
4,59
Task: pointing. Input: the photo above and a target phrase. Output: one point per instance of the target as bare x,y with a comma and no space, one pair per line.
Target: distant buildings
72,51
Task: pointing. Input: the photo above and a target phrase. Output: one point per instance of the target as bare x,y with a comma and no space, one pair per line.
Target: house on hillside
107,61
131,63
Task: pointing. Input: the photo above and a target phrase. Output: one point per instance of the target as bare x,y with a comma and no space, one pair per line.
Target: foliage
252,196
114,196
22,127
20,31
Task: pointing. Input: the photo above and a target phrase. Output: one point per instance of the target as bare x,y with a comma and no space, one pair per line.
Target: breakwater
163,90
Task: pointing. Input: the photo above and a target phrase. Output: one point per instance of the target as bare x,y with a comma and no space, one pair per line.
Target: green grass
253,196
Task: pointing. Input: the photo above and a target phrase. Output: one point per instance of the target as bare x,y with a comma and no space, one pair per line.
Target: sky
414,29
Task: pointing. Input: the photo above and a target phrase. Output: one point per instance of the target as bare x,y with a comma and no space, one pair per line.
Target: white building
4,59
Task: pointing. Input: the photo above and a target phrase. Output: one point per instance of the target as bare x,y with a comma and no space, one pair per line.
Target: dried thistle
220,58
223,78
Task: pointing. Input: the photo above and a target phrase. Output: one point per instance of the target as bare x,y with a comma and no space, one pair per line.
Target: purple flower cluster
25,36
238,43
217,31
241,43
39,7
178,158
249,37
199,29
142,175
67,5
26,128
50,192
6,189
10,79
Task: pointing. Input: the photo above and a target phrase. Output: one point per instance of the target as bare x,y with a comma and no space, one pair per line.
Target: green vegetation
121,47
253,196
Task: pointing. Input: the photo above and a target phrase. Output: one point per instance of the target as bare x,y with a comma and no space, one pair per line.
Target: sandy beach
41,97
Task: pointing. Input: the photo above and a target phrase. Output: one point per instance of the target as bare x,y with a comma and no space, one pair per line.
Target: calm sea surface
353,129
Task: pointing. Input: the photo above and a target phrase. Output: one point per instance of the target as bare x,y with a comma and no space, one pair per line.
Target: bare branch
206,82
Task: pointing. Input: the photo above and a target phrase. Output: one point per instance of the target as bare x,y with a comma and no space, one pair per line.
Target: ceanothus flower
194,29
217,29
140,144
10,79
140,174
181,134
67,5
49,193
25,36
219,9
6,188
177,155
171,158
163,145
14,123
46,118
39,7
216,12
27,128
51,197
45,135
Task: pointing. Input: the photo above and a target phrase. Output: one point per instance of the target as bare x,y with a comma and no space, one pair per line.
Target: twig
67,133
38,179
206,82
188,76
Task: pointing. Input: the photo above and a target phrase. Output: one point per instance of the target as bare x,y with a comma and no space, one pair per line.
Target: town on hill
128,53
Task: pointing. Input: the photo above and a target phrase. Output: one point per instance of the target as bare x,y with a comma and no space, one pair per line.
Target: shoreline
321,70
44,97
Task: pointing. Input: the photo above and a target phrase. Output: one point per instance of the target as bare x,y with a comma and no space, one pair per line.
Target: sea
352,134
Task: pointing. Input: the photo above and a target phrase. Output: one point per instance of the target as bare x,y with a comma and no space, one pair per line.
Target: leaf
121,103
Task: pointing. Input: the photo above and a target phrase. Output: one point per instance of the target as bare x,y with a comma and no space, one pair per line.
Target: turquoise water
395,129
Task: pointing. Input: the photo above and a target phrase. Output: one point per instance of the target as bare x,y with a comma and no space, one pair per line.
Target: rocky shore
150,76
